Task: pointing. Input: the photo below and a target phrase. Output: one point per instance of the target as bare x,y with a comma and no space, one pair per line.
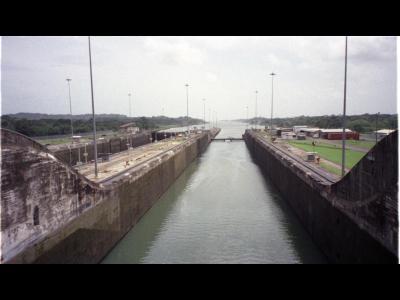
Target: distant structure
298,128
76,138
130,128
336,134
383,132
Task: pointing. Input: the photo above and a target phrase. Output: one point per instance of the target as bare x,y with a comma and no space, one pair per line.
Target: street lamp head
68,79
272,74
186,85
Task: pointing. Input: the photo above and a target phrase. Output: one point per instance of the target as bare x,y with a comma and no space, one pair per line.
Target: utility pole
130,112
247,117
93,115
376,128
70,106
204,113
272,99
187,108
255,120
344,113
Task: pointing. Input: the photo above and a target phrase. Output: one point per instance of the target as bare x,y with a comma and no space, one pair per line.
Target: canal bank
220,210
53,214
353,220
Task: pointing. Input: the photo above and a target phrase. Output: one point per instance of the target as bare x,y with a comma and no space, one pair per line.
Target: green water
220,210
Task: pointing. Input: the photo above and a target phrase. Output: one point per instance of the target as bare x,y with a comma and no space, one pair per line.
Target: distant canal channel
220,210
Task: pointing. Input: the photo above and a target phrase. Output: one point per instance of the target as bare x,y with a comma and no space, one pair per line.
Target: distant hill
33,124
38,116
361,123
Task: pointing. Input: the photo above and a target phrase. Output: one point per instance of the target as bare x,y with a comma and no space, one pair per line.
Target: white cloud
309,81
211,77
173,52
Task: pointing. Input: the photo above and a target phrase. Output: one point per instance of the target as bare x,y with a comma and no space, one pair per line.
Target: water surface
220,210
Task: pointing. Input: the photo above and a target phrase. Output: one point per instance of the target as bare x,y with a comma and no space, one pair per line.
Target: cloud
372,49
219,43
173,53
211,77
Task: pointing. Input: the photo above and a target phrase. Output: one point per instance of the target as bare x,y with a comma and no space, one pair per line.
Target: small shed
301,136
311,156
298,128
76,138
129,128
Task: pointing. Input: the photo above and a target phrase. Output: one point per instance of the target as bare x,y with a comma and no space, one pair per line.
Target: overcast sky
226,71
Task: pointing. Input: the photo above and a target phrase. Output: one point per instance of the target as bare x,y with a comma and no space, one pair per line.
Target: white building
298,128
383,132
129,128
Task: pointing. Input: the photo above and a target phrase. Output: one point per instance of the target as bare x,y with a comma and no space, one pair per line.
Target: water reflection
220,210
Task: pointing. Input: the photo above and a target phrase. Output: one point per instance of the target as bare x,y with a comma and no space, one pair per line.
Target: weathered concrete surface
369,193
52,214
107,145
336,215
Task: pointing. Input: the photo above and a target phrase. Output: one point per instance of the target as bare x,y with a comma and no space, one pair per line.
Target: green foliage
32,126
361,123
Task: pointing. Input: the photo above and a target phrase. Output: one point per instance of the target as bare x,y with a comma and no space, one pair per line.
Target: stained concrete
79,220
353,220
71,153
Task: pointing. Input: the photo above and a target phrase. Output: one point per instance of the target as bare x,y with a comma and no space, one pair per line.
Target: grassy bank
330,152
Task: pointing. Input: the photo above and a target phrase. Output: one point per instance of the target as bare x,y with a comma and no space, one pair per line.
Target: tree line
364,123
33,127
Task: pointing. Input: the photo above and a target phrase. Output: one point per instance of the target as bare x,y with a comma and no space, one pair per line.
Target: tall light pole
376,128
204,112
130,104
247,117
214,124
70,105
187,108
93,115
255,112
272,99
209,119
344,112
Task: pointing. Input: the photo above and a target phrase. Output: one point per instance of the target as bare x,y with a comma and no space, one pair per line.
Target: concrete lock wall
333,228
52,214
112,145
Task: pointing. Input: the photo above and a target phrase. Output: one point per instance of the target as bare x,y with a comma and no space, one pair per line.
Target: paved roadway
128,159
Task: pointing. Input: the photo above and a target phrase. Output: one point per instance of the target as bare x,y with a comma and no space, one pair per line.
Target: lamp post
204,113
272,100
70,105
93,115
247,117
209,119
255,112
187,108
344,112
130,112
376,128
